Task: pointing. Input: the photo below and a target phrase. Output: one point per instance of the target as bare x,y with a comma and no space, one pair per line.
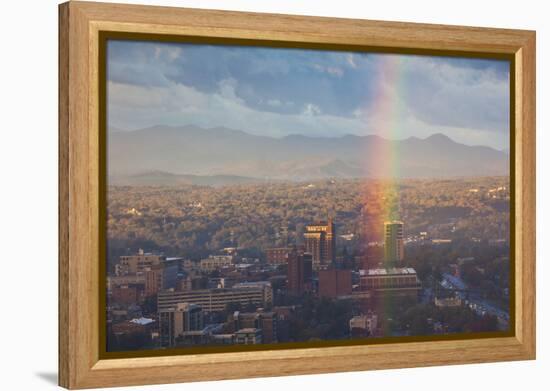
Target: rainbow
382,161
385,117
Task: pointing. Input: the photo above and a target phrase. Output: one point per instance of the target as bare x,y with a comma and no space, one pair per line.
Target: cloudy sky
276,92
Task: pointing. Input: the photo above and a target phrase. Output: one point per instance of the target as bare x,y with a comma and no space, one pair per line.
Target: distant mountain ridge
161,178
234,156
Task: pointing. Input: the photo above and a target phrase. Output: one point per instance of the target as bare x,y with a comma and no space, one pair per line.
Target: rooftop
388,271
252,284
248,330
173,259
142,321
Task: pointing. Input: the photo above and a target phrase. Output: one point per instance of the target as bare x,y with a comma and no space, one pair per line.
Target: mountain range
192,155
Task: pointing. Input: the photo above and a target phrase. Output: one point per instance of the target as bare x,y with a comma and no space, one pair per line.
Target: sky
276,92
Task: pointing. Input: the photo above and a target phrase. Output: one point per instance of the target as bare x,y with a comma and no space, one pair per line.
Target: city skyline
197,267
267,195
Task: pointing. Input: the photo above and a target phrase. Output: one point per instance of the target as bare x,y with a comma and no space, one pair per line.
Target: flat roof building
132,264
215,262
265,321
264,285
248,336
399,281
277,255
213,300
334,283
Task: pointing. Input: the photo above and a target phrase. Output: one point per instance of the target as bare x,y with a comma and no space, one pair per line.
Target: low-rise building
277,255
125,294
390,281
448,302
363,325
265,286
334,283
132,264
223,339
134,279
248,336
265,321
212,300
135,332
215,262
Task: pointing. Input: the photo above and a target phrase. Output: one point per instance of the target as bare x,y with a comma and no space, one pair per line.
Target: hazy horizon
219,151
339,136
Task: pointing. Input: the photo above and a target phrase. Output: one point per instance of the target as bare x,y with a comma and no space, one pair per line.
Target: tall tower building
177,320
320,242
299,272
393,241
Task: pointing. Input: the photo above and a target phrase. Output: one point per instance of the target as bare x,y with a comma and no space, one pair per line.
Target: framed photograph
247,195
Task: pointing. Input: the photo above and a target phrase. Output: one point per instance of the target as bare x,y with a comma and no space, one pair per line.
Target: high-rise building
320,242
334,283
299,271
308,272
153,280
393,242
177,320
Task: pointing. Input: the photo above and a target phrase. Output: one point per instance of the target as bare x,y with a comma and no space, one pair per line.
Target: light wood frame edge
79,364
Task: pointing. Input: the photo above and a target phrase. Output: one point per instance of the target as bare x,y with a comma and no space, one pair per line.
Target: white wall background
28,217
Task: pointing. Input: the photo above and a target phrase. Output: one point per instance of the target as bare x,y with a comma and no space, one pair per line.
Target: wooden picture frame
81,170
